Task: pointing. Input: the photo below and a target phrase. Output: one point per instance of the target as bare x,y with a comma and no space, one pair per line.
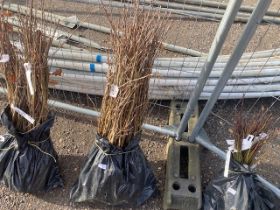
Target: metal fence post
222,32
251,26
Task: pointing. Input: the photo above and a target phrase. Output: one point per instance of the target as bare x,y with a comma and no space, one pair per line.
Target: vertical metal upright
220,37
249,31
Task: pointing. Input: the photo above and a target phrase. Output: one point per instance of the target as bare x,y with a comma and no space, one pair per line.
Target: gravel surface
73,135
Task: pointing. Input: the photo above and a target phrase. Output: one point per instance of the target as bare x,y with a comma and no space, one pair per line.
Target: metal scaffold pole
215,49
244,40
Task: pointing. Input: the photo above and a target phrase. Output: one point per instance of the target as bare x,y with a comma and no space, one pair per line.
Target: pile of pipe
198,9
78,70
257,75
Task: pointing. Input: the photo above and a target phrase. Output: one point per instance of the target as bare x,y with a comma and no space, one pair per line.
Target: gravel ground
73,135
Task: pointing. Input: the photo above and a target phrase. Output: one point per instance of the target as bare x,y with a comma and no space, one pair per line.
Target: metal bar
203,140
215,49
241,16
183,50
162,130
56,34
245,38
72,108
220,5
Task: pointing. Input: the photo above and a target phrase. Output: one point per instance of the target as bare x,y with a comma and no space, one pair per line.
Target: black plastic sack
240,191
28,162
115,176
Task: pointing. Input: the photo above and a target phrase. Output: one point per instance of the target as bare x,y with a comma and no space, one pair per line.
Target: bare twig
35,51
134,53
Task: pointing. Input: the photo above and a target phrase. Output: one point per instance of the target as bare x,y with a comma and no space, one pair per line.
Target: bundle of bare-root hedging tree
117,172
28,161
239,187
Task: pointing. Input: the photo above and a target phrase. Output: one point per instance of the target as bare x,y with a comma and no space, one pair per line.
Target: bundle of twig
125,100
31,62
259,126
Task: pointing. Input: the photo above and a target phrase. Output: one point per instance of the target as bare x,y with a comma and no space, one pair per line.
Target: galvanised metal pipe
203,15
253,55
80,66
102,68
82,55
37,13
165,92
240,71
63,20
82,61
79,54
181,66
215,49
57,34
183,7
243,17
211,15
61,43
57,19
194,14
173,82
167,88
227,89
216,4
167,62
163,95
72,108
160,92
183,50
256,54
203,140
251,26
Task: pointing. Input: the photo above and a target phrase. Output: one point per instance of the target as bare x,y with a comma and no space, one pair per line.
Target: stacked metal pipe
198,9
257,75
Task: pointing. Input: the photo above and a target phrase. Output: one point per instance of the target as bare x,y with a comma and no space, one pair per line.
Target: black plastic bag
240,191
28,162
115,176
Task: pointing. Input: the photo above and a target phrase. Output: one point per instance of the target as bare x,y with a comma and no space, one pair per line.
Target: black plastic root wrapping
115,176
28,162
240,191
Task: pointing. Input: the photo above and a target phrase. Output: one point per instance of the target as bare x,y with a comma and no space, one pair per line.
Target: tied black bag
115,176
28,161
240,191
